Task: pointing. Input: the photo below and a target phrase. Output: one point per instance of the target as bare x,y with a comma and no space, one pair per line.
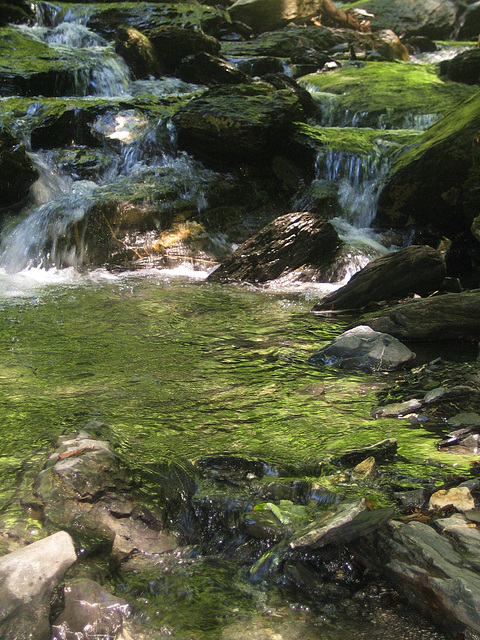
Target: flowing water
180,368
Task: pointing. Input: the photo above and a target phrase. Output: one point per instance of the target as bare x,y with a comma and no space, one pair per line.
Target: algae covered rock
364,349
138,52
387,95
464,67
288,243
244,122
172,44
17,172
435,182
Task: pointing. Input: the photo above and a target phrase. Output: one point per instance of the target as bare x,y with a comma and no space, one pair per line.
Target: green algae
391,89
360,141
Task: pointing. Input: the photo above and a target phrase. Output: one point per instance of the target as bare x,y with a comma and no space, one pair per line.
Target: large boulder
17,172
453,316
431,18
138,52
238,123
268,15
415,269
435,183
172,44
464,67
387,95
364,349
436,570
28,578
203,68
470,22
288,243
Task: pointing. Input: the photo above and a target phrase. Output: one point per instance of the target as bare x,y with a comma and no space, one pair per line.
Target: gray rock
397,410
453,316
365,349
415,269
90,612
349,521
430,571
28,577
415,498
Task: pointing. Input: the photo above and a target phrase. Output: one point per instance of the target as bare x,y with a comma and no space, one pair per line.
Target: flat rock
453,316
28,577
364,349
415,269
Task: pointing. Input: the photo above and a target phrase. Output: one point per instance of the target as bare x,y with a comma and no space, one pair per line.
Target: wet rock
203,68
364,470
397,410
261,66
412,499
28,578
173,44
289,243
268,521
231,469
15,13
453,316
459,497
81,489
435,182
382,451
465,67
459,527
32,68
429,570
415,269
431,18
364,349
138,52
90,611
17,172
237,123
268,15
463,440
348,522
470,21
425,98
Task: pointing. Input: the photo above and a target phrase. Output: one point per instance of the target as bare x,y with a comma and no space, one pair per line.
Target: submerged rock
415,269
28,578
365,349
290,242
453,316
90,611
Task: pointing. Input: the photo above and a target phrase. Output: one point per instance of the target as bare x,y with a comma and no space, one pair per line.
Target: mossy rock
292,40
11,13
30,67
138,52
172,44
17,172
384,95
242,123
436,181
268,15
430,18
106,17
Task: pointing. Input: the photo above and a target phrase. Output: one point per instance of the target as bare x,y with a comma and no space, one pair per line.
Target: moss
363,141
390,88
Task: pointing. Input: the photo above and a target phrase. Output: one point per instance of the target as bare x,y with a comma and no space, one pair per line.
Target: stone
237,123
269,15
415,269
365,469
458,497
138,52
382,451
291,242
466,418
470,22
173,44
415,498
90,611
453,316
349,521
464,67
435,182
203,68
17,172
364,349
28,577
427,569
397,409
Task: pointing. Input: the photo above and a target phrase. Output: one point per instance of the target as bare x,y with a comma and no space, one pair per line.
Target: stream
181,369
